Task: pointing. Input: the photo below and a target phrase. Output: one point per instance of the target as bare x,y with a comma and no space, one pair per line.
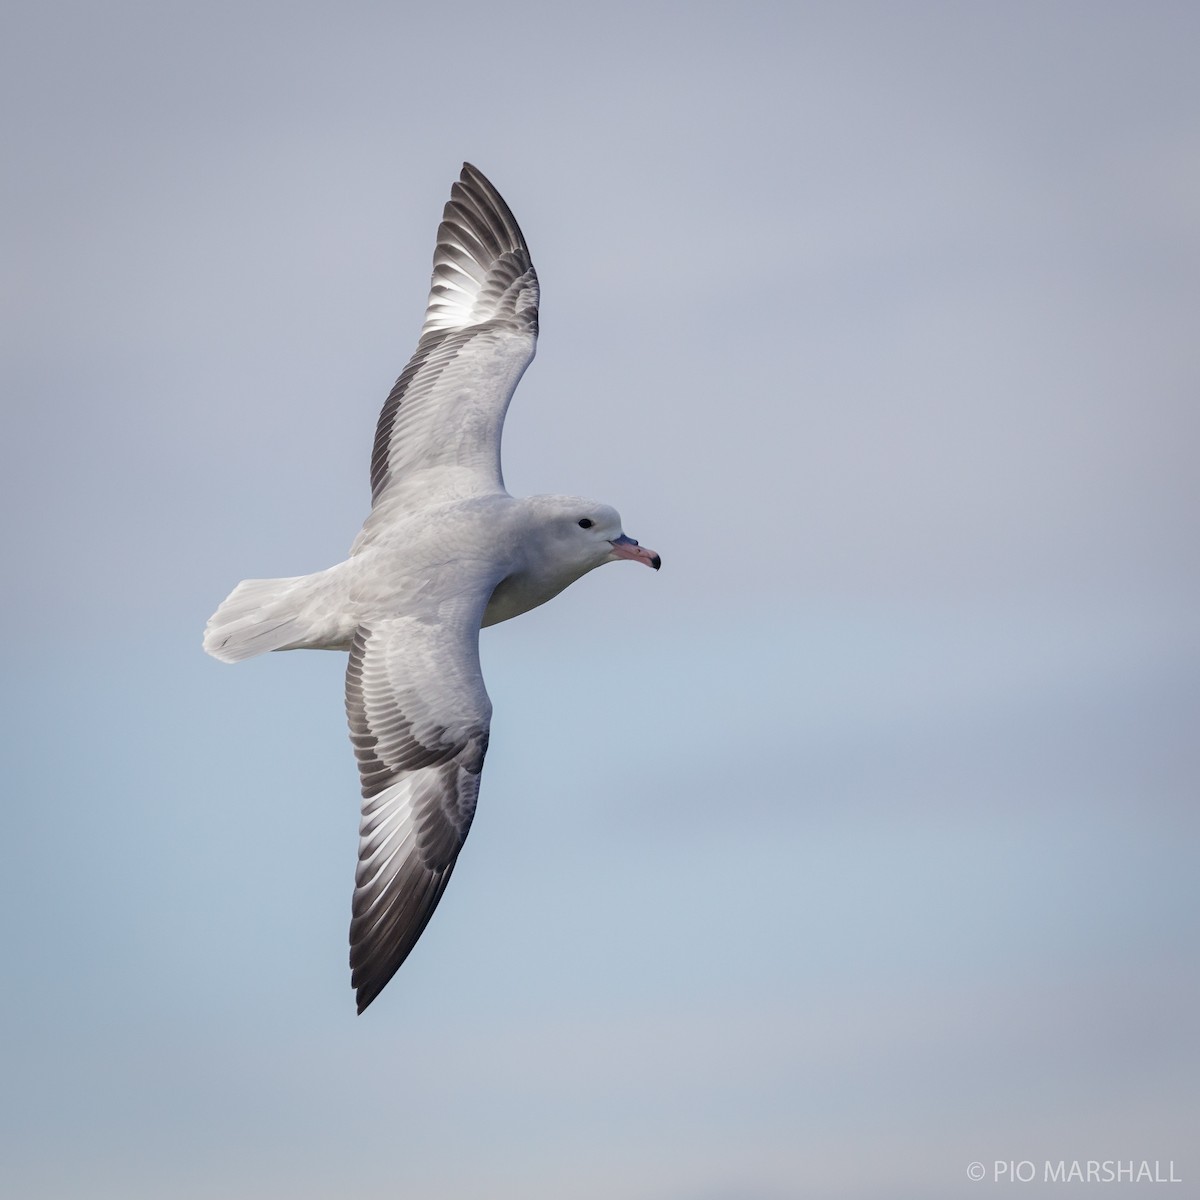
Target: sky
856,846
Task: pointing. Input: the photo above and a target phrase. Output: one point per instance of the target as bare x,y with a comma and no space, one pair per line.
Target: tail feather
257,616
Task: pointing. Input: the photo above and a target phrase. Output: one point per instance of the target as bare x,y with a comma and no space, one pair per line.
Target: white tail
257,616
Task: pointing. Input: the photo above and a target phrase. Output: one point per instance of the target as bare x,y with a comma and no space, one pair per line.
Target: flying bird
444,551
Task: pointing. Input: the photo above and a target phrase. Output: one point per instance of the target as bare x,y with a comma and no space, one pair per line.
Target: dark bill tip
627,547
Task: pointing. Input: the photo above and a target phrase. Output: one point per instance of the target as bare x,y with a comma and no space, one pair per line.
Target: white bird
444,551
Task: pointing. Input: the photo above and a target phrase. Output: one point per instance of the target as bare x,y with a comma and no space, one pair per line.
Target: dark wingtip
471,173
490,207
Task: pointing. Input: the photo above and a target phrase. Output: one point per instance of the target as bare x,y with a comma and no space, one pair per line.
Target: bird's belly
518,594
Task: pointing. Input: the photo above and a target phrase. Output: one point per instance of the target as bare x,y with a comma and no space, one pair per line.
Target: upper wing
439,431
419,717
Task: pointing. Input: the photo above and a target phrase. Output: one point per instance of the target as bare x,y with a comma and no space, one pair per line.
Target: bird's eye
586,523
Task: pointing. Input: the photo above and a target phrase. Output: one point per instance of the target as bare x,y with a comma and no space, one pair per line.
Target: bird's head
582,534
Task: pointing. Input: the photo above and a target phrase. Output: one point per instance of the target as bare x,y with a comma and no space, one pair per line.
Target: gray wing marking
446,410
480,257
419,718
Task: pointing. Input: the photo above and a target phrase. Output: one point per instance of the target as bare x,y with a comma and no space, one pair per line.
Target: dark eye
586,523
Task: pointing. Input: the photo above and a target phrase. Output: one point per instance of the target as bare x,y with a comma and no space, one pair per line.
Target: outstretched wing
439,431
419,717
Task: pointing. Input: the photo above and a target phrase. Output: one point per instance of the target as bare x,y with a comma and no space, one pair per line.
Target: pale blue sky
855,846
